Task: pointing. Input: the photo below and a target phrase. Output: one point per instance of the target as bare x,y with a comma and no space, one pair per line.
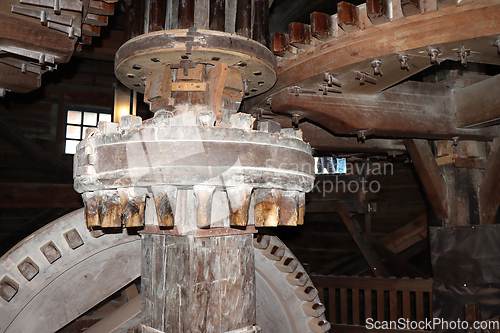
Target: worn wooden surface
198,284
489,193
430,175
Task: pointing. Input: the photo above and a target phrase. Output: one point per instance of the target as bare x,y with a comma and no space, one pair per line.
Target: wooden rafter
430,175
365,248
489,192
397,261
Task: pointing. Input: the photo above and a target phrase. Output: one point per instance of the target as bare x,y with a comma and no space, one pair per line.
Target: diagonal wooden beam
397,261
34,152
367,251
489,192
478,105
430,175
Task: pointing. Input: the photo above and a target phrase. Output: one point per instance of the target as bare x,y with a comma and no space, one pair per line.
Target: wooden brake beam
412,109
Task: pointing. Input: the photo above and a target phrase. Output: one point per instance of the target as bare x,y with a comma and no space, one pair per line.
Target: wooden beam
397,261
34,152
39,196
489,192
430,175
415,109
367,251
478,105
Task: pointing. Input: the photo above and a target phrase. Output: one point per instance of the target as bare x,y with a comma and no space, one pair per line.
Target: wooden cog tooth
347,17
261,241
306,293
274,252
110,209
267,208
287,265
91,201
299,33
319,325
321,25
289,208
279,44
313,309
239,201
133,202
297,278
204,195
165,197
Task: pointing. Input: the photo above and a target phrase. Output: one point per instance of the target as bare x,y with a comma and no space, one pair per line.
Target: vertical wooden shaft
217,15
244,18
260,31
135,14
186,14
197,284
157,15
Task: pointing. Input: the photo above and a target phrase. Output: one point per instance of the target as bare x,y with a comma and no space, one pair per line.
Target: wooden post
194,284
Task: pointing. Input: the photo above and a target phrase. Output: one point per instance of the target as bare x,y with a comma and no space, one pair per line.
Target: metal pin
463,53
23,68
57,7
403,59
43,17
433,53
246,86
376,64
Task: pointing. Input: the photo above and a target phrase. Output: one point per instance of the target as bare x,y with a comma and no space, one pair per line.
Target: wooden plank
34,152
370,256
426,112
355,307
489,192
380,305
430,175
478,105
419,304
406,236
343,306
368,303
217,82
353,282
393,305
332,304
406,305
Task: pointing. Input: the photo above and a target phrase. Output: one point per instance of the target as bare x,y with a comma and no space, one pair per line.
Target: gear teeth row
29,268
127,206
348,19
297,278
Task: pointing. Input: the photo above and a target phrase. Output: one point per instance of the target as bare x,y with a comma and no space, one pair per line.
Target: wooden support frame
370,256
430,175
397,261
489,192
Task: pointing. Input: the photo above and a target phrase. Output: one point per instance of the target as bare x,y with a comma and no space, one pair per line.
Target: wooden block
287,265
448,159
158,85
299,33
189,86
313,309
297,278
307,293
261,241
320,25
274,252
217,81
319,325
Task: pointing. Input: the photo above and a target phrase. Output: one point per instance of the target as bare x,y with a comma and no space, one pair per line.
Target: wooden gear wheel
64,261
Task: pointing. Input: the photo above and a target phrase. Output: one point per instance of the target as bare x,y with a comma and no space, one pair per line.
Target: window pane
71,146
90,119
74,117
104,117
73,132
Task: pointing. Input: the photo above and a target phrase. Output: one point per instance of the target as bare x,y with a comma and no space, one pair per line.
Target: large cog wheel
63,270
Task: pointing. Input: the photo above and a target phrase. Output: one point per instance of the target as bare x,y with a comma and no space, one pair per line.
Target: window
330,165
77,121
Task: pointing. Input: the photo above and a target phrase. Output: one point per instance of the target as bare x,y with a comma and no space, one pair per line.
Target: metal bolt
364,77
376,64
43,17
455,141
331,80
325,89
57,7
246,86
41,59
497,44
463,53
433,53
23,68
403,59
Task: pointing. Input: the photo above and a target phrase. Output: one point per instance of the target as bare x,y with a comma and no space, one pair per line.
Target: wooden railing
350,301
